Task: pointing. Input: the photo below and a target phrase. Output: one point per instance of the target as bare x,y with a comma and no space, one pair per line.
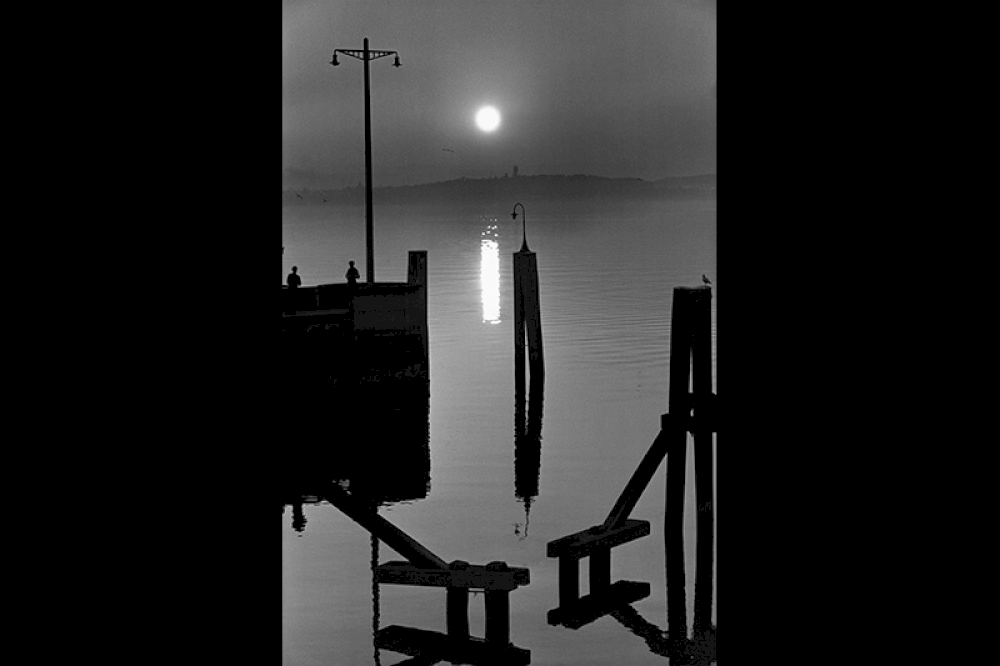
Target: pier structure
691,410
365,332
424,568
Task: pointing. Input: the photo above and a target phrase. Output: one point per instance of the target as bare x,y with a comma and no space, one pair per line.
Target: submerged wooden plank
432,644
583,543
587,609
473,575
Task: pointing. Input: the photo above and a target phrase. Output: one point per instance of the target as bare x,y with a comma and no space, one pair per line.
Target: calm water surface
606,279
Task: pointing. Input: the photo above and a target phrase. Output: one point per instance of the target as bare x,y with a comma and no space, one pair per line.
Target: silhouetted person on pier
293,278
352,274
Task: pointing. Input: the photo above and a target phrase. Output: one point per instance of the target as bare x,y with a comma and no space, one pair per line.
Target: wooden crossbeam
582,544
586,609
640,479
392,536
431,644
705,422
472,576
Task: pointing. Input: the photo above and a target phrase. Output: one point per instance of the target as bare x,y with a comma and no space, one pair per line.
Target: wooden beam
474,575
679,405
457,606
690,424
600,570
392,536
569,579
423,643
587,609
704,405
637,484
584,543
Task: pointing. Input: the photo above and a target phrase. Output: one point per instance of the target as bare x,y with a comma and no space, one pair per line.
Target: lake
606,276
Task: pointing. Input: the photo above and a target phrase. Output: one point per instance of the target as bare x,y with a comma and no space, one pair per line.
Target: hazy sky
605,87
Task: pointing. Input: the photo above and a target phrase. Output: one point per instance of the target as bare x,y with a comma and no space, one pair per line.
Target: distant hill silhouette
521,188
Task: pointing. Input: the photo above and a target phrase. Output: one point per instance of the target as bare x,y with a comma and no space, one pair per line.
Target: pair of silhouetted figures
352,275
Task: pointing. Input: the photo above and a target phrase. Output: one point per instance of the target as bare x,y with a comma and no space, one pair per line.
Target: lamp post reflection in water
489,273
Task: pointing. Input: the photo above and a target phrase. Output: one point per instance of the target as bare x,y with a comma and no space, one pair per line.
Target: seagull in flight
449,150
705,279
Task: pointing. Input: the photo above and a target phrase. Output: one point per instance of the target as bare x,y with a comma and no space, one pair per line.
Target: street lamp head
334,61
524,235
396,64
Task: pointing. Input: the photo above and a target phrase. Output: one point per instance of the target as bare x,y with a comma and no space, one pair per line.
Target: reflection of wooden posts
690,344
527,318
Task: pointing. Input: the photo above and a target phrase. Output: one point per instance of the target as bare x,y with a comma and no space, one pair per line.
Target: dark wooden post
497,610
533,318
679,405
519,277
457,609
569,579
527,319
704,424
600,570
417,274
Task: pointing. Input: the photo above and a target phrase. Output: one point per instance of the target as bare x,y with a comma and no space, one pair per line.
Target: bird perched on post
705,279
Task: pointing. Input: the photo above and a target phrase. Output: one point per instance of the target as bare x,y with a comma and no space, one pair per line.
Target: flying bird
448,150
705,279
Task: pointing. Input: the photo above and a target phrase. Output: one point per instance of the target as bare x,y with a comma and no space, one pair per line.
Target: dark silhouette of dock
339,337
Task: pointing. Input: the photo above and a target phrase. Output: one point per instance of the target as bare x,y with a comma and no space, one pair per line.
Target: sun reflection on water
489,273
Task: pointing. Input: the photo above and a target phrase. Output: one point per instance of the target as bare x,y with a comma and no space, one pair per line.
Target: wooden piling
600,570
498,616
527,319
704,407
416,273
392,536
457,608
679,404
569,579
497,610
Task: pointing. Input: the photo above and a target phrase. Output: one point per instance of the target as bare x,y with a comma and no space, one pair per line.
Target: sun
488,118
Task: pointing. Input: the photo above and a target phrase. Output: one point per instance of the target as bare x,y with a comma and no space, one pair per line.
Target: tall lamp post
366,54
524,220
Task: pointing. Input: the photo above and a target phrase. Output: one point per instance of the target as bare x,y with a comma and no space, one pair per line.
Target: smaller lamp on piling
524,219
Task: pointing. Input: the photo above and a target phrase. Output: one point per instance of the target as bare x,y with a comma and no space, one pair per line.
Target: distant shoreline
576,187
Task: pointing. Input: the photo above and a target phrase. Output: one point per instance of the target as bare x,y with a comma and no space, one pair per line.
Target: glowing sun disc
488,118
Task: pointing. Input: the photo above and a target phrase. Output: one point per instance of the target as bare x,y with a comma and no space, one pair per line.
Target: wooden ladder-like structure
690,347
424,568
